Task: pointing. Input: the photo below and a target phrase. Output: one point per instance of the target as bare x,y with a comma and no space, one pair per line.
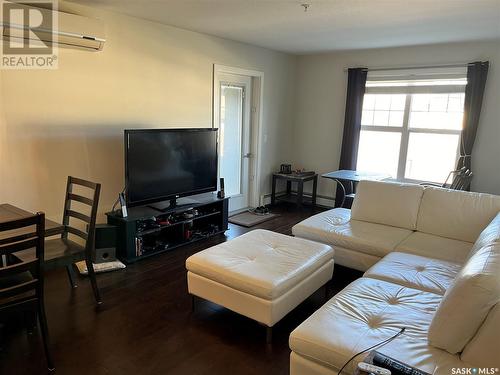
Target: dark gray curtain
474,92
356,81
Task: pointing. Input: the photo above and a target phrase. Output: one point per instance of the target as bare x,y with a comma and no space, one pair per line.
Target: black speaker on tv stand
220,193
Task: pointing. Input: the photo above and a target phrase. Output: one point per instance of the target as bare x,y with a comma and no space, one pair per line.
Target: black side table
299,196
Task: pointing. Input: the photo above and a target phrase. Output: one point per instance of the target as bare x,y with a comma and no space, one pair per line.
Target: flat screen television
165,164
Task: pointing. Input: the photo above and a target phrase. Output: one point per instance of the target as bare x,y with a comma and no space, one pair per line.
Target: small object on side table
299,179
286,168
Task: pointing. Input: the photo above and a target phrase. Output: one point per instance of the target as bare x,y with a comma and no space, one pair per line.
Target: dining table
10,212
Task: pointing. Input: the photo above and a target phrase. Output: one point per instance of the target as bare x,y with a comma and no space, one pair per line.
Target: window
410,128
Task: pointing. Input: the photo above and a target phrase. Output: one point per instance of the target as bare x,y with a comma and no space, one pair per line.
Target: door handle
248,155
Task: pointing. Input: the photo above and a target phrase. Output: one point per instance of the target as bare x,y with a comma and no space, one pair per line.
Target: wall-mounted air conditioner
70,30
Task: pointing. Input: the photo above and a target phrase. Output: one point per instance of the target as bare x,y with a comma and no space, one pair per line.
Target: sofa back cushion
482,350
455,214
467,302
489,235
387,203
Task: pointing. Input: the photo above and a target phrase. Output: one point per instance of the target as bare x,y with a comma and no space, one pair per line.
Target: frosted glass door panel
230,133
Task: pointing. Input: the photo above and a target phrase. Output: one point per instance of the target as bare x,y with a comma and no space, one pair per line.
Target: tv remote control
372,369
396,367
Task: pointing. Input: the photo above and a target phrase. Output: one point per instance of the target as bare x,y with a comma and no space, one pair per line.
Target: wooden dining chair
64,251
21,282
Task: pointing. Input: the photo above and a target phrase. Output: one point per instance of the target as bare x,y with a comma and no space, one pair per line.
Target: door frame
256,116
240,201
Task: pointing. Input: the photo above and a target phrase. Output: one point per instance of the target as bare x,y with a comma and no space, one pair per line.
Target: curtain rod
457,65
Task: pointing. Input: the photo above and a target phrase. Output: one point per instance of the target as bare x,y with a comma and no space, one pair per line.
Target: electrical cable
372,347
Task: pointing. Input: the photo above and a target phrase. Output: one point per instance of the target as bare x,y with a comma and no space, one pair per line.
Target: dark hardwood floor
145,325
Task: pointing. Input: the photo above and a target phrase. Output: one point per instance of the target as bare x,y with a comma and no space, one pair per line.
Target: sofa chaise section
447,295
365,313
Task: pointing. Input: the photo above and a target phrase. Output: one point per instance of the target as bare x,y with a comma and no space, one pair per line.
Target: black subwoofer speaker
105,243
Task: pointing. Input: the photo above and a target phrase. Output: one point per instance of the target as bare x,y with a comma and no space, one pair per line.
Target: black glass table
347,180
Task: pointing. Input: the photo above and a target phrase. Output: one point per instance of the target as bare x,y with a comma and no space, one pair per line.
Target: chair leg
93,281
45,334
71,276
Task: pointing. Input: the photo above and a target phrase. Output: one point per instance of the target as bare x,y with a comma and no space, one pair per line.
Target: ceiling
328,25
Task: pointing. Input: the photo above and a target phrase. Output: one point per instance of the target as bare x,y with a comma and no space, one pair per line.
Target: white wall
320,103
70,121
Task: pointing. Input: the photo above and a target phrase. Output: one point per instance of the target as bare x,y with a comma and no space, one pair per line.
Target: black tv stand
148,231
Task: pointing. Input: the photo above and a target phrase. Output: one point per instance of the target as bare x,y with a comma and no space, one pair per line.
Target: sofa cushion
335,227
365,313
489,235
437,247
468,300
262,263
414,271
456,214
387,203
482,350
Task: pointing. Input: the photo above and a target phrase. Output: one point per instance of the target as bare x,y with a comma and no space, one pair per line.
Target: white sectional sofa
432,261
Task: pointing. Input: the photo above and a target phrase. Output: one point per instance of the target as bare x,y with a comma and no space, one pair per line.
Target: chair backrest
460,179
19,235
87,234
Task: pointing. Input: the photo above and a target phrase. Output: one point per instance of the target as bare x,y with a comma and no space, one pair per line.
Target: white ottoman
262,275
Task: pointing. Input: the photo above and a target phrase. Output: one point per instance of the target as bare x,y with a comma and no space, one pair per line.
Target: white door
233,117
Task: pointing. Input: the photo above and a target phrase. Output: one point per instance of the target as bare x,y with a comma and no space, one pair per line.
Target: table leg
288,187
342,187
300,192
315,187
273,192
